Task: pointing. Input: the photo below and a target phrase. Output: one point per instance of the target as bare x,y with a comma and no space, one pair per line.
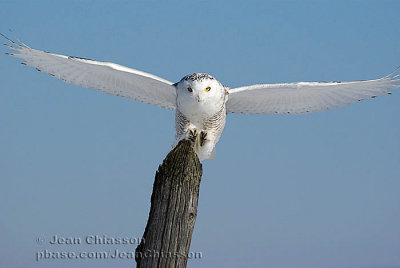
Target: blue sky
315,190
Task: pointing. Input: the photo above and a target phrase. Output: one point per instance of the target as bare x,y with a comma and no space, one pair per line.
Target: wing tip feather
11,41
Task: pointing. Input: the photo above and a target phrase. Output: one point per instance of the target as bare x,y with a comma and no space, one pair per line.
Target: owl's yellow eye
208,89
190,89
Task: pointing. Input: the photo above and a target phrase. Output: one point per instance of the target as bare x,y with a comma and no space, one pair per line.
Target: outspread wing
304,97
107,77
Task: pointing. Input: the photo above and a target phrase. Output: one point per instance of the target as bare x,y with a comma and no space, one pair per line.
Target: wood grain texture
168,233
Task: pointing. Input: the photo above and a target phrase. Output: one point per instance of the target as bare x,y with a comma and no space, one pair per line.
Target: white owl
201,102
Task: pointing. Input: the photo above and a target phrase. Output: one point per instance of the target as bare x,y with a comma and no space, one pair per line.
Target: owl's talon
203,139
192,135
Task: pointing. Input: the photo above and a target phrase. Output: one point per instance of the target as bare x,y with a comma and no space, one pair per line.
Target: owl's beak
198,97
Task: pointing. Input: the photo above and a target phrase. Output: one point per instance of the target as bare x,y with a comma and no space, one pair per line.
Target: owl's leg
187,132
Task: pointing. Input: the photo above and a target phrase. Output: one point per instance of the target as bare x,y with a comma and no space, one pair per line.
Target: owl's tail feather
206,152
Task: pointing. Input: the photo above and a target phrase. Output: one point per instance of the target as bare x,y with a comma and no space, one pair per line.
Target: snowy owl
201,101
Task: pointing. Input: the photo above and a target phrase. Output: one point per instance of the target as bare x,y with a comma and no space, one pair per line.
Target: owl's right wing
304,97
107,77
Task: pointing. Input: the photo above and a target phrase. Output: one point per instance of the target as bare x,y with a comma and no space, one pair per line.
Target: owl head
199,91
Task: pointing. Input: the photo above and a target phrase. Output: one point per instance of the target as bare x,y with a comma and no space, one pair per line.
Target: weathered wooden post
173,211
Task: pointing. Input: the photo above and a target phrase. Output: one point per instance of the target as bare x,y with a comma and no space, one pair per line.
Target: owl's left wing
107,77
304,97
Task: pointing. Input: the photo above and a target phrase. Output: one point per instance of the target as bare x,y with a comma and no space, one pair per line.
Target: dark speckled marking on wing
79,58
